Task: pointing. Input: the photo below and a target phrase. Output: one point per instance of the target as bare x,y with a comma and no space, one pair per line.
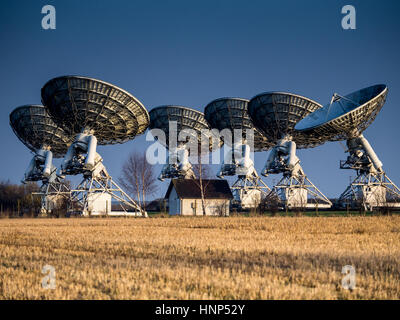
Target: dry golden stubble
201,258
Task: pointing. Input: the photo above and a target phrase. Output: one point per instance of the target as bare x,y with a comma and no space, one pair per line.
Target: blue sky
191,52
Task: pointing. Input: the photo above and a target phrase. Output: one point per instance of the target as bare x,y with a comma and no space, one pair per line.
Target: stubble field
201,258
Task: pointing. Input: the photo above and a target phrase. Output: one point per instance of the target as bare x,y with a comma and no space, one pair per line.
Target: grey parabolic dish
231,113
276,113
77,103
190,120
36,129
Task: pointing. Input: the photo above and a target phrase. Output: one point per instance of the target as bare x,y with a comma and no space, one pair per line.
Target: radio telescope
276,114
35,129
231,114
96,112
345,118
183,128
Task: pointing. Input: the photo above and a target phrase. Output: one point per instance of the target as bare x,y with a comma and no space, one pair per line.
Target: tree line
138,178
17,199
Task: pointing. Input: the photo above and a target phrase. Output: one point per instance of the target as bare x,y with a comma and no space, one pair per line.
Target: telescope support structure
97,189
371,188
177,166
249,188
53,188
294,190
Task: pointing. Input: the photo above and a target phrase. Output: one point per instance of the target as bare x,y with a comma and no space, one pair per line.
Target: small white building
99,203
184,197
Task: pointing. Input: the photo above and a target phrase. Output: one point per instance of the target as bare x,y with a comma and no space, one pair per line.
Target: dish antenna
276,114
96,112
345,118
35,129
183,128
231,114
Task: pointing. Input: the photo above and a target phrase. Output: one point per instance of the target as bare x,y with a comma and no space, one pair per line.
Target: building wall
174,203
191,207
374,196
248,198
296,197
99,203
50,202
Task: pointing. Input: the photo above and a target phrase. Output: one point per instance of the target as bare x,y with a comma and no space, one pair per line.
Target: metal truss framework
294,190
35,128
49,191
248,187
251,183
82,158
245,184
290,184
371,190
103,184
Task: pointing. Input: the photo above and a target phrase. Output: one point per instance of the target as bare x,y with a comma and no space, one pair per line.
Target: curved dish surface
80,103
276,113
33,125
231,113
347,116
189,120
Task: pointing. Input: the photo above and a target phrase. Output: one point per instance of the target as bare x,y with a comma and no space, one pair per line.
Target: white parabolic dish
345,117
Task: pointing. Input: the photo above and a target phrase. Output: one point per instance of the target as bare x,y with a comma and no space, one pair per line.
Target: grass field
201,258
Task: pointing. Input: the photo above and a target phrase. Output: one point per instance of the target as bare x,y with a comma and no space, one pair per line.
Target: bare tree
18,200
202,171
271,203
221,209
60,207
138,177
296,201
359,203
384,202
